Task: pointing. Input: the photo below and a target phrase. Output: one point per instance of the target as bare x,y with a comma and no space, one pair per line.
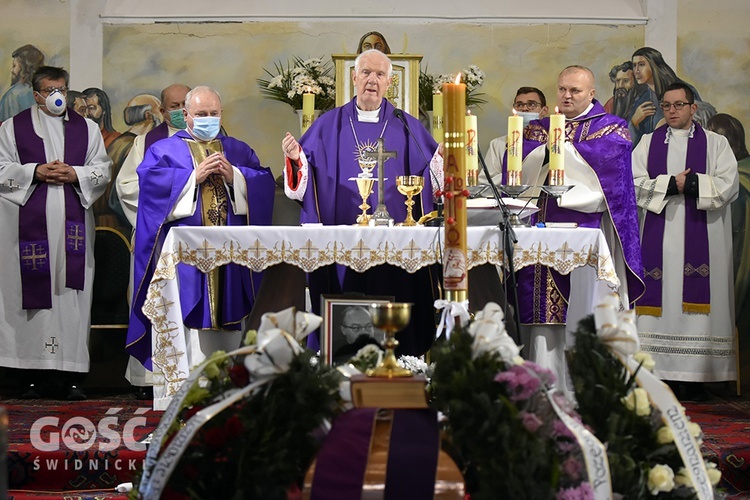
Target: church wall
142,57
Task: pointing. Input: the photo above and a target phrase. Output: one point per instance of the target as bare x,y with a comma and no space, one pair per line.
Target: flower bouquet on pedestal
287,84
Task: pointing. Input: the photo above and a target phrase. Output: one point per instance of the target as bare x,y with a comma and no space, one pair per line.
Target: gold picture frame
404,90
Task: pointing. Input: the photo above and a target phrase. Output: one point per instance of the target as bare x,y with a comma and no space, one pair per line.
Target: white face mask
528,116
55,102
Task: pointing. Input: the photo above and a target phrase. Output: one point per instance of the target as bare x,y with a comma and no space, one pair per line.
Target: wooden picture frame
403,92
333,341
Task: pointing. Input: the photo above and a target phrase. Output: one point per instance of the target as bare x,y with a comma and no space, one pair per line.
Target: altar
310,247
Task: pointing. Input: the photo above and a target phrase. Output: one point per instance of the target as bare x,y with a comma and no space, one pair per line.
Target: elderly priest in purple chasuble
597,164
198,177
317,173
53,166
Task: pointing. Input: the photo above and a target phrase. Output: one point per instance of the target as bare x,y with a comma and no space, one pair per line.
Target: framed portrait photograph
347,326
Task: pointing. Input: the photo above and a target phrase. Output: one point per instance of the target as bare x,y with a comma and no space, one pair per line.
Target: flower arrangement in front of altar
634,413
430,84
287,84
251,428
502,425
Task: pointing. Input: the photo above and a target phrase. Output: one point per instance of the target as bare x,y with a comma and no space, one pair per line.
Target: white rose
664,435
683,478
714,474
660,478
645,359
638,402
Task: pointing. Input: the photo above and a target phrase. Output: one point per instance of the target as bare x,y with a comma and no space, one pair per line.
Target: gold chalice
390,317
364,186
410,186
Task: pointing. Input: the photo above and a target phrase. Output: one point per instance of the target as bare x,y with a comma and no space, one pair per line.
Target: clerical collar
368,116
680,132
586,111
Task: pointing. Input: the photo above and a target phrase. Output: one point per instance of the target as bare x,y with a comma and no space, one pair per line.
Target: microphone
399,113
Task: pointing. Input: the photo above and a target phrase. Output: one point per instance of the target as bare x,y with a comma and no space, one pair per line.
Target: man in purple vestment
597,165
317,173
198,177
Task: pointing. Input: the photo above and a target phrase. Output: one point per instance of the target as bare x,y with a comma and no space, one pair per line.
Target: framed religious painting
403,92
347,326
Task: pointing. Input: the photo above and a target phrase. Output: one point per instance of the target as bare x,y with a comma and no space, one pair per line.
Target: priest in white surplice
53,166
686,178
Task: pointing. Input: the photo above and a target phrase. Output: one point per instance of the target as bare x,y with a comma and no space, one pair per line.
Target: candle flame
468,112
515,113
458,79
308,90
557,110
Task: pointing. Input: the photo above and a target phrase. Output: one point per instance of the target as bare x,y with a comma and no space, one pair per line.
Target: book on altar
485,212
383,392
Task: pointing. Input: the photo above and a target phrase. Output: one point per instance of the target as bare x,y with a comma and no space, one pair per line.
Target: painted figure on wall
653,75
141,115
731,128
373,40
76,101
623,94
20,96
99,110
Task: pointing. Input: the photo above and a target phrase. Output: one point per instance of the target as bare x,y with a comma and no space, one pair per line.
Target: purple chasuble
36,281
158,133
331,148
604,143
166,168
696,286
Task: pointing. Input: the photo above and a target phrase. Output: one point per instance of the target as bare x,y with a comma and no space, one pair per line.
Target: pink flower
521,383
531,421
582,492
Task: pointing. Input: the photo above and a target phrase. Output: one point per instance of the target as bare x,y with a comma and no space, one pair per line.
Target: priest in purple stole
53,166
597,165
198,177
317,173
686,178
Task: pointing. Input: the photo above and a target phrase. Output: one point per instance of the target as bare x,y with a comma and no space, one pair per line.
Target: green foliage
263,445
499,457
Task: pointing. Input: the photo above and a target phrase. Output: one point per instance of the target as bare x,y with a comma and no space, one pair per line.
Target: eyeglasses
677,105
49,90
358,328
531,105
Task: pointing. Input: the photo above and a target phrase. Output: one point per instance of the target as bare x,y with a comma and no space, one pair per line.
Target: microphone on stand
438,201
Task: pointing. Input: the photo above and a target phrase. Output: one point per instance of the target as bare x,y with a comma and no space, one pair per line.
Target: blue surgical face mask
206,128
528,116
177,119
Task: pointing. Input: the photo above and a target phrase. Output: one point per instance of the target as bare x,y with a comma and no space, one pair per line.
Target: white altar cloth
360,248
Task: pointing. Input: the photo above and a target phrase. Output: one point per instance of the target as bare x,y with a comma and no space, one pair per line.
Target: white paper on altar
485,212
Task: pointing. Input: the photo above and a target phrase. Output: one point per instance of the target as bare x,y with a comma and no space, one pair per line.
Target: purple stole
696,284
157,134
36,281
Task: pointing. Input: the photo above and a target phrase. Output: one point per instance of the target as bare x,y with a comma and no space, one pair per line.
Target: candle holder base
514,191
556,191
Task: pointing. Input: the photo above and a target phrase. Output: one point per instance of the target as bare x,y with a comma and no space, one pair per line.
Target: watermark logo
81,434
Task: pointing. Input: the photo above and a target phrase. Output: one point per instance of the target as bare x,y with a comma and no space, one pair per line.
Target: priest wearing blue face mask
530,104
198,177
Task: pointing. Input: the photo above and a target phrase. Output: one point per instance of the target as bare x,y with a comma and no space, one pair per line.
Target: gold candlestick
410,186
391,317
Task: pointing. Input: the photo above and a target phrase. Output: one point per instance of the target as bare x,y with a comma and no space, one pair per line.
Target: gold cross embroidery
309,248
29,255
74,236
205,248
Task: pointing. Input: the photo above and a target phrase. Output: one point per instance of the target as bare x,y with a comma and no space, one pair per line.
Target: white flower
637,400
488,330
714,474
414,364
660,478
664,435
645,359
